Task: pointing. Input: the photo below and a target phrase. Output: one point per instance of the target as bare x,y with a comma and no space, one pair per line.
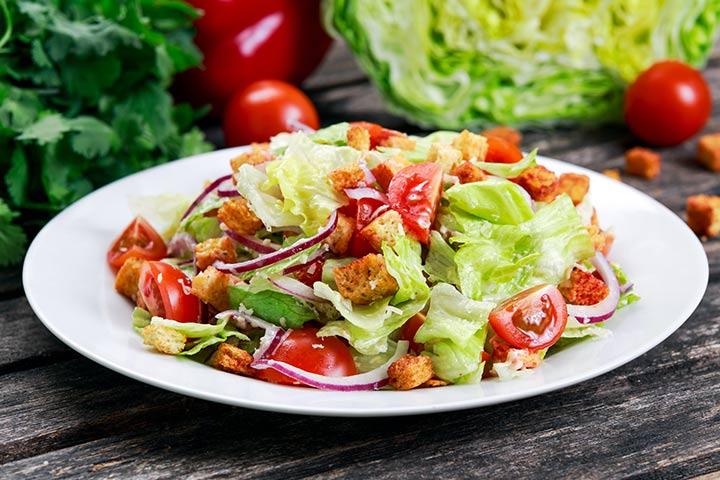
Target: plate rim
342,411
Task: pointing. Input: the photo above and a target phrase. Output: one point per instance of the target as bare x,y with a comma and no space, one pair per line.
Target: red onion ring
209,189
378,211
283,253
366,192
371,380
250,242
626,288
604,309
228,193
181,245
369,177
295,288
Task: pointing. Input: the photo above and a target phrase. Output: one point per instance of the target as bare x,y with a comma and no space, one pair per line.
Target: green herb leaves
84,100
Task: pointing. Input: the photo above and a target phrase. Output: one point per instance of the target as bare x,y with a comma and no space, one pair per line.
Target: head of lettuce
471,63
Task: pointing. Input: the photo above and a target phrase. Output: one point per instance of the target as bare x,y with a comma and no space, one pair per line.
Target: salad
357,257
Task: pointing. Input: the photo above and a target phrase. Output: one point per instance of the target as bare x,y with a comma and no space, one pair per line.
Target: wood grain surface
62,415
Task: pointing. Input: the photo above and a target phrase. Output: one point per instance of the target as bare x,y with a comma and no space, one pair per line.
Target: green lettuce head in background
471,63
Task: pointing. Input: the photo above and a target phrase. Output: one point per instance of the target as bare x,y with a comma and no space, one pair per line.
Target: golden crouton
385,171
601,239
583,288
214,249
237,215
339,239
508,134
163,339
347,176
258,153
471,145
358,137
703,215
575,185
230,358
642,162
385,228
410,371
365,280
468,173
540,183
444,155
126,281
709,151
613,173
401,141
211,287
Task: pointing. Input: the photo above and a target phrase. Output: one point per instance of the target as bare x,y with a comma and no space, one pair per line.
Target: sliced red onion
317,256
189,261
249,241
181,245
626,287
207,191
272,338
366,192
295,288
283,253
604,309
378,211
371,380
228,193
369,177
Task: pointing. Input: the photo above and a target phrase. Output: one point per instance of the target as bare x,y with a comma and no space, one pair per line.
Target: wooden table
62,415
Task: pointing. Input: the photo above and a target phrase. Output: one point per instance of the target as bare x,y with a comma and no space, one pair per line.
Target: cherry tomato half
533,319
165,290
264,109
668,103
415,192
139,240
410,328
502,151
303,349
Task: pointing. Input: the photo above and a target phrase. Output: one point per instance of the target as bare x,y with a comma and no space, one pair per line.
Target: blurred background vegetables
470,63
84,100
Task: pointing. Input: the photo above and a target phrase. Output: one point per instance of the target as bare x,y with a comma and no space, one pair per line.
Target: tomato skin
415,192
668,103
244,42
138,240
312,273
333,359
264,109
410,328
165,290
516,320
502,151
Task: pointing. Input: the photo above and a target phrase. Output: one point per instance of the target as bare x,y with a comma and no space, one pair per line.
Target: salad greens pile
84,100
463,63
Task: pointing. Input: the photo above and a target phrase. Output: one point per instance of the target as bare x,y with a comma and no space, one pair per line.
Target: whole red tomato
246,41
265,108
668,103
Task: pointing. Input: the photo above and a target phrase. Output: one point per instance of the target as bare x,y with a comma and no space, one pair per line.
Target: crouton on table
230,358
703,215
237,215
410,371
214,249
613,173
365,280
642,162
709,151
385,228
540,183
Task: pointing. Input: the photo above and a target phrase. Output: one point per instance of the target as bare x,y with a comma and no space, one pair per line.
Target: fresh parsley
84,100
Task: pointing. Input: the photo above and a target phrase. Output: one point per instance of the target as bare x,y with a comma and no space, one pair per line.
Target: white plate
70,287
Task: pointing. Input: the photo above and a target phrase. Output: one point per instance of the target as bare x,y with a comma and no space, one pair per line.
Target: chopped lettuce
301,174
576,332
203,228
497,261
333,135
454,334
629,296
440,261
266,203
162,211
202,335
494,199
422,146
269,304
509,170
404,262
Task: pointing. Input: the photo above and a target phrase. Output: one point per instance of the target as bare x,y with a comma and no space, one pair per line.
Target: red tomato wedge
502,151
415,192
533,319
378,133
138,240
166,292
303,349
409,329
